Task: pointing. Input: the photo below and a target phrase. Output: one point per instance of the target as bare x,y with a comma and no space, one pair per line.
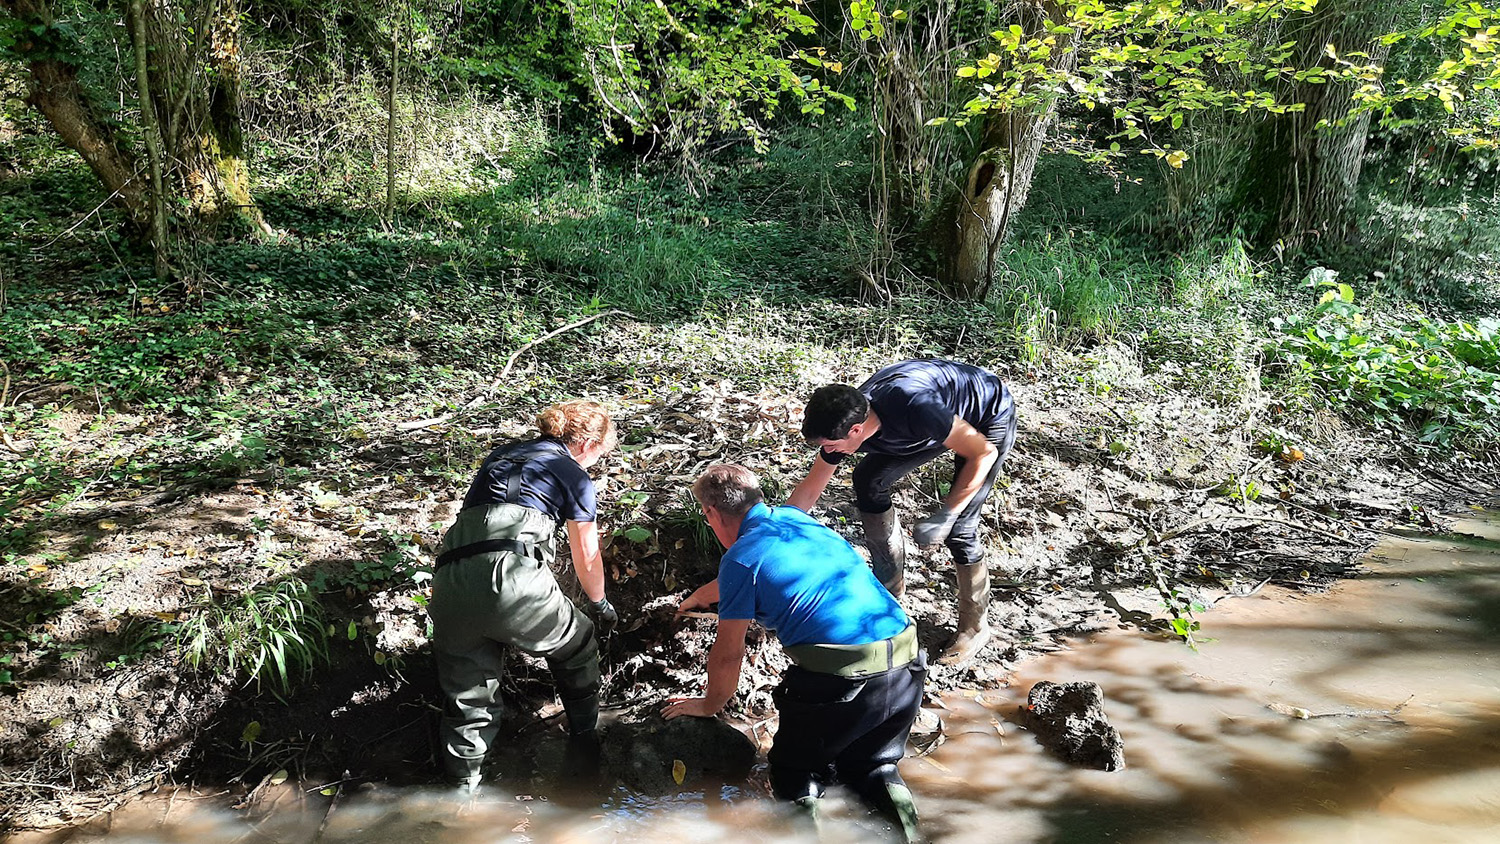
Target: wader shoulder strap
513,482
518,462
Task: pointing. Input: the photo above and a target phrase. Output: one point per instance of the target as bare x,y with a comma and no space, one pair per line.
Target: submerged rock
643,754
1068,719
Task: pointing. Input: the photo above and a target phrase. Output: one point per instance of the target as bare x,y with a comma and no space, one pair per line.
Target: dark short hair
832,411
729,488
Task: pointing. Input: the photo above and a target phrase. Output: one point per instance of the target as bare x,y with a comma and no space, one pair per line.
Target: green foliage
687,518
1071,282
273,634
1450,59
674,74
1440,379
696,68
139,637
1431,216
402,565
1147,65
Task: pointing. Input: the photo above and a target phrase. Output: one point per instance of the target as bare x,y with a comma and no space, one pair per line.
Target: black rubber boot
883,790
582,757
583,713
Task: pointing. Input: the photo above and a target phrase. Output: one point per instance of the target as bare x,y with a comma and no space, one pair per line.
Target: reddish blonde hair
578,422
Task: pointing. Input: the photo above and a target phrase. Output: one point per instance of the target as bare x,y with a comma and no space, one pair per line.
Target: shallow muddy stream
1367,714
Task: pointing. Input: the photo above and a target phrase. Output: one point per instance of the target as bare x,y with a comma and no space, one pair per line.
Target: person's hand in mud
697,707
725,659
704,597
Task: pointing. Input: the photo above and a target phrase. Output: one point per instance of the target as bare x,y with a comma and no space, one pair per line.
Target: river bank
1133,496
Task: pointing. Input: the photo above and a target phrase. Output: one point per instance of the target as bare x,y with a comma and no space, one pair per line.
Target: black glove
605,616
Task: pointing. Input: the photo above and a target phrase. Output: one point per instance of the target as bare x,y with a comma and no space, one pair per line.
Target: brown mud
1124,500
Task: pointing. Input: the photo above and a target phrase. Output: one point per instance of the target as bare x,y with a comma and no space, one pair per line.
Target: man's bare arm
806,495
725,661
979,455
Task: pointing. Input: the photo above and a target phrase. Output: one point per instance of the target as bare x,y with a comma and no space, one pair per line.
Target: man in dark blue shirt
902,417
847,705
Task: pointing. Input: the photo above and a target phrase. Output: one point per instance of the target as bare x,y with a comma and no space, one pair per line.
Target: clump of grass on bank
273,634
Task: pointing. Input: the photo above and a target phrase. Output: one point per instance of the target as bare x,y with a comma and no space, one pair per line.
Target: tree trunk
390,123
1000,179
1302,176
57,93
204,134
914,69
151,131
193,64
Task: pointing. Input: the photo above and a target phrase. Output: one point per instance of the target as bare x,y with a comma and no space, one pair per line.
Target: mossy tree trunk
196,51
999,179
192,52
1302,175
53,60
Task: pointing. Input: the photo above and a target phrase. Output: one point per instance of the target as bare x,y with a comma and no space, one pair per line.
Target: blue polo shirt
802,580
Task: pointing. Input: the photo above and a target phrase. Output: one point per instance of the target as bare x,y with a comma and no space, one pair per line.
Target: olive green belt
855,661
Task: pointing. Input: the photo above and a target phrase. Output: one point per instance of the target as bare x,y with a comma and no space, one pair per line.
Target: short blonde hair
729,488
578,422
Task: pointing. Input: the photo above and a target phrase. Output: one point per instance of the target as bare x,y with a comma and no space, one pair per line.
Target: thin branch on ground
504,371
1194,525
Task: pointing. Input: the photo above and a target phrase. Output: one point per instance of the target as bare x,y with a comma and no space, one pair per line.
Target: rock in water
1068,719
643,752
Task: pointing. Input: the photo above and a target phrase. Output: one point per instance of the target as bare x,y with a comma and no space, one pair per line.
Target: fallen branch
1191,526
438,420
4,394
338,792
28,784
504,371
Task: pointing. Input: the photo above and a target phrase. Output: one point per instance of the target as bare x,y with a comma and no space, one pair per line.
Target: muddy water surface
1368,714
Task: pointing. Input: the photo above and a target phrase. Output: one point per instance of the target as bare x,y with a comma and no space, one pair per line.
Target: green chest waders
494,586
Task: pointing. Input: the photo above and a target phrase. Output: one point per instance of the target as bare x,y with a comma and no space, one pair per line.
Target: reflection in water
438,816
1396,677
1368,714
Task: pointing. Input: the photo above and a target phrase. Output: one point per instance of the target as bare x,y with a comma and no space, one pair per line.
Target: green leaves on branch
868,21
691,69
1460,74
1149,65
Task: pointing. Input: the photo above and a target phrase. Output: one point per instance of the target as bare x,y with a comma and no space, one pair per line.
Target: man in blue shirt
847,705
902,417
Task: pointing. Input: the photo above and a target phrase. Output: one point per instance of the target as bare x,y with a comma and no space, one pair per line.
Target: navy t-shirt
916,401
551,481
802,580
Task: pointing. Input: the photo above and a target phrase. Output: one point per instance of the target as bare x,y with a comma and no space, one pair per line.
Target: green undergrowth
1434,381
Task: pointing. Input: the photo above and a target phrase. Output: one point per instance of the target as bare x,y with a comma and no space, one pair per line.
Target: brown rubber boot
887,550
973,616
